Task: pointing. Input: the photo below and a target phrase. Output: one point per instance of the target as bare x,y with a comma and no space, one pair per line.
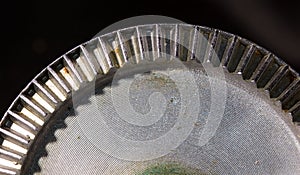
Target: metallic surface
257,135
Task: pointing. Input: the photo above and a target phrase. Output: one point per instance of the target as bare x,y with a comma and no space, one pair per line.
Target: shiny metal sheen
258,134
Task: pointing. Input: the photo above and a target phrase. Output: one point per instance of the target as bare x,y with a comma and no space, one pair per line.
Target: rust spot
65,70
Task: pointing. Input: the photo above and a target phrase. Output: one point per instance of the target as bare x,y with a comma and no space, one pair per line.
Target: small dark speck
171,100
197,124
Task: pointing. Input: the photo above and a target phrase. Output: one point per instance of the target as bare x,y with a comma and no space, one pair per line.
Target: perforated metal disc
142,97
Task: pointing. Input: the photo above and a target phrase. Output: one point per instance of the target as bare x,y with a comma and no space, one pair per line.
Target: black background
33,34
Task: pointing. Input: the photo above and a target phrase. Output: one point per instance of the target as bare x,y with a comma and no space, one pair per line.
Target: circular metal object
42,132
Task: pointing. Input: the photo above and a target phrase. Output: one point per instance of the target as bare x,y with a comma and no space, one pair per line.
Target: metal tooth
290,99
63,73
8,170
215,57
210,53
39,99
8,155
42,102
91,62
255,63
44,91
155,43
193,47
16,139
113,48
10,164
125,57
23,129
31,125
288,90
72,82
149,42
105,51
20,137
12,153
175,42
262,66
11,157
10,160
294,107
203,37
279,73
56,89
245,58
13,144
238,53
74,73
58,79
19,130
228,51
34,106
272,66
102,57
139,43
85,69
27,112
184,42
131,44
220,46
136,48
282,84
296,113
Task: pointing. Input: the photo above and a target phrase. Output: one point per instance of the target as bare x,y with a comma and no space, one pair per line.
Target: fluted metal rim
39,100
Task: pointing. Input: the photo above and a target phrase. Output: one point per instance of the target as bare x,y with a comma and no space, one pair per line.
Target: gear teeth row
35,105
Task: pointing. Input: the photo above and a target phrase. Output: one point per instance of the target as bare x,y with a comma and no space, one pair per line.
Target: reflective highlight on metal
37,110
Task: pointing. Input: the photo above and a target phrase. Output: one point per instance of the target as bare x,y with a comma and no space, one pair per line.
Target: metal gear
39,121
